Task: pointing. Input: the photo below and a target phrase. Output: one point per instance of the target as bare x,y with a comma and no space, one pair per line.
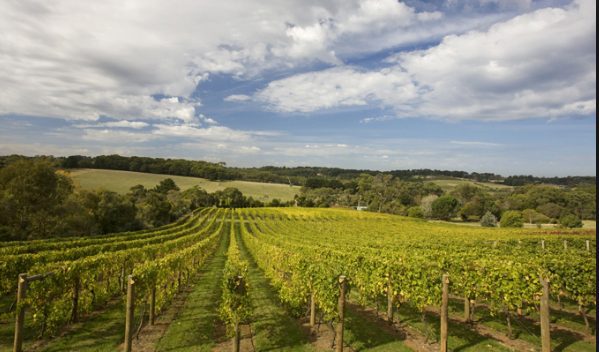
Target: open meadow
300,279
122,181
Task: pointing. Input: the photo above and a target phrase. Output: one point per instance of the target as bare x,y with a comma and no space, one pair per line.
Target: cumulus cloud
338,87
236,98
115,124
540,64
69,60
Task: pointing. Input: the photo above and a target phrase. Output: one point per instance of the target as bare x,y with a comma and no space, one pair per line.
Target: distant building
361,207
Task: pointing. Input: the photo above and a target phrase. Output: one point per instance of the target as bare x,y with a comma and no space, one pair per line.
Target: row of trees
301,175
36,201
534,204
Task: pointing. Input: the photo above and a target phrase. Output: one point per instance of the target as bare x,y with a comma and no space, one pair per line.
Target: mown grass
122,181
526,329
194,328
274,328
460,337
450,183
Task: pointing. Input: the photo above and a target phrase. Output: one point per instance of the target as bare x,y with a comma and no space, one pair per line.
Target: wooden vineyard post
543,244
20,321
341,313
312,309
76,288
545,328
588,243
122,279
237,338
467,310
153,305
129,316
23,284
389,301
444,304
565,244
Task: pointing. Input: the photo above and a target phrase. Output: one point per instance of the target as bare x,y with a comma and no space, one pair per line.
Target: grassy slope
450,183
121,181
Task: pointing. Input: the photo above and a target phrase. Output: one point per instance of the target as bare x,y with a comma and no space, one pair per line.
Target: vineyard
302,279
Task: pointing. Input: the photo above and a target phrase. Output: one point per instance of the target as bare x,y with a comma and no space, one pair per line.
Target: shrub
511,218
532,216
570,221
415,212
488,220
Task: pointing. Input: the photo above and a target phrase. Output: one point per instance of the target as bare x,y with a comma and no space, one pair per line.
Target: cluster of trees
406,192
533,204
302,175
37,201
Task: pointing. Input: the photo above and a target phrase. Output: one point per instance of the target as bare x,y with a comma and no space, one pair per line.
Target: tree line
38,201
532,203
274,174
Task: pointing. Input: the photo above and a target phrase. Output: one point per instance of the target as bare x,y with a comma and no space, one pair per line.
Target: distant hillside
286,175
122,181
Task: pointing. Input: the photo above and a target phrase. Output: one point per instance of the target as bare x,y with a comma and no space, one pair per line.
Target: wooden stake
543,244
312,309
130,313
341,313
545,327
20,320
153,305
237,338
75,305
588,245
565,244
444,304
389,301
467,310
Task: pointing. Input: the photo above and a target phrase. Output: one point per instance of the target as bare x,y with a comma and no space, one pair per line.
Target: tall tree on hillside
31,194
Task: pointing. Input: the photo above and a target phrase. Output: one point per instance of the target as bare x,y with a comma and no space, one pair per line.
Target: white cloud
211,133
249,150
541,64
70,60
339,86
116,136
237,98
377,119
115,124
475,144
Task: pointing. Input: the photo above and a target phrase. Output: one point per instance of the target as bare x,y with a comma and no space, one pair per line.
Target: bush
488,220
570,221
444,208
415,212
511,218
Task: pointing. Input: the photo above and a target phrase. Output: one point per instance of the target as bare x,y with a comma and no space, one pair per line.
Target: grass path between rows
197,326
274,329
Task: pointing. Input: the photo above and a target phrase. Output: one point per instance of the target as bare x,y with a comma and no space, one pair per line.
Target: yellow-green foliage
304,251
235,306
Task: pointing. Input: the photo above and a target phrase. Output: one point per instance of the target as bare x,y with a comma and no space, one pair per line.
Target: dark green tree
444,207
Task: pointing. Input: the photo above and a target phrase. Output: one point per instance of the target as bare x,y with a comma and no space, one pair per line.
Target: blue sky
487,86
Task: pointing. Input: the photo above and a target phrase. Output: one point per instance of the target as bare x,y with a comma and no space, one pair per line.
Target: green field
450,183
122,181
